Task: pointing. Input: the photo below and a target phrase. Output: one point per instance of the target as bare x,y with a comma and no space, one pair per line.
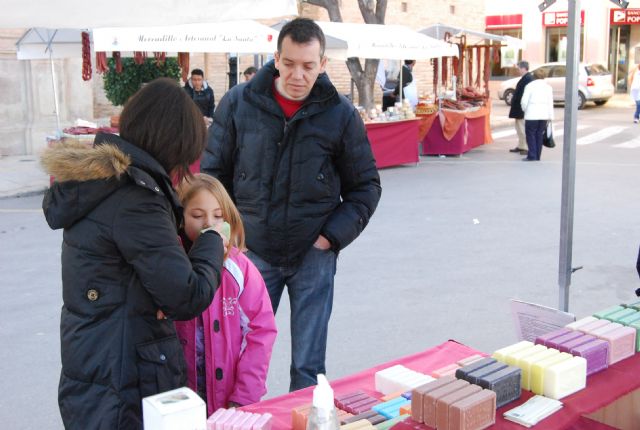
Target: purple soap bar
545,338
362,406
557,341
341,398
595,352
351,400
568,346
505,383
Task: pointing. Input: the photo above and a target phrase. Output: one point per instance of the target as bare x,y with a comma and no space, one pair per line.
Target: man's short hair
302,30
197,72
250,71
539,73
408,62
523,65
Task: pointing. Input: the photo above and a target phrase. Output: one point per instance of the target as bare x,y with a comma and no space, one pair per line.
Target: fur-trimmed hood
85,176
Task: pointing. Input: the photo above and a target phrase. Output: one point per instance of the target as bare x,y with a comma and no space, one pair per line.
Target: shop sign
497,22
624,16
559,19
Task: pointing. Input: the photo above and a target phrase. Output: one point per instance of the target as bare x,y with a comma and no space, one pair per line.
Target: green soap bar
629,319
636,325
625,312
226,230
386,425
634,305
607,311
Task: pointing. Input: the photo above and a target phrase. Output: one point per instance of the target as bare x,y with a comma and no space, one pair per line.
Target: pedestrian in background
122,261
634,91
537,104
202,94
516,111
249,73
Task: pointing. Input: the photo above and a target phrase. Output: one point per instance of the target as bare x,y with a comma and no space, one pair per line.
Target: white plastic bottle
323,412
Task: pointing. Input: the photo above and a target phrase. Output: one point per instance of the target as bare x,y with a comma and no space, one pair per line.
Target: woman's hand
234,405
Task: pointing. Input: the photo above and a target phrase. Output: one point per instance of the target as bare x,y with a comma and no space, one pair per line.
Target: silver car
594,84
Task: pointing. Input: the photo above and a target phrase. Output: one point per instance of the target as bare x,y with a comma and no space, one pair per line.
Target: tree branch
332,7
381,11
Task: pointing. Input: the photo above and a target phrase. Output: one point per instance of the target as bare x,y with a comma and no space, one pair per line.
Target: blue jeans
534,130
310,289
637,114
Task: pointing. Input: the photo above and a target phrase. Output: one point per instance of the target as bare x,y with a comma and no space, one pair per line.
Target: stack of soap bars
232,419
399,379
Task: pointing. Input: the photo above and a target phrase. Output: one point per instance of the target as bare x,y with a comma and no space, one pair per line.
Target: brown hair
162,120
302,31
539,74
200,181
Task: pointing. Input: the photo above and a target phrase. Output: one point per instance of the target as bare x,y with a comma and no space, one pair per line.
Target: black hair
197,72
302,30
250,70
408,62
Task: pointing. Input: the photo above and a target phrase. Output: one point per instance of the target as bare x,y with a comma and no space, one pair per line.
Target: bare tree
373,12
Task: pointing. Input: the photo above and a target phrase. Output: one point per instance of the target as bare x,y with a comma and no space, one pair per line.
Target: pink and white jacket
240,330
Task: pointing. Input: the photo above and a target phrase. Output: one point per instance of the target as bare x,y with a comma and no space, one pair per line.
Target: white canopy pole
55,86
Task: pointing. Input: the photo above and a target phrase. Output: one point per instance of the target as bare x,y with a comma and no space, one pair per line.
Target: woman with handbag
537,104
634,90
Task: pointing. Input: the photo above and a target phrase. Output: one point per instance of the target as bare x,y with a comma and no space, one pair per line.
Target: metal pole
569,154
55,94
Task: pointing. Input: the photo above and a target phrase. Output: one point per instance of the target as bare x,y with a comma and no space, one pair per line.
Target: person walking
537,104
294,155
516,111
122,262
634,91
202,94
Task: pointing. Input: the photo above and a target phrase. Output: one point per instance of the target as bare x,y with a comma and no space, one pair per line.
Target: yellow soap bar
564,378
501,354
526,362
512,359
538,369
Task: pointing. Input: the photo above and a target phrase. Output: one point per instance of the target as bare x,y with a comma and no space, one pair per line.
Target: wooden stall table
450,132
394,143
603,388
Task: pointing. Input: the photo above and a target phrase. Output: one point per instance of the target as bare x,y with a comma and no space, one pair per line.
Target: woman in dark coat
122,261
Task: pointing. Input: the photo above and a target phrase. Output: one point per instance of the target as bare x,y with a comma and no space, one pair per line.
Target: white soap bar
581,322
502,353
386,379
512,358
526,362
174,410
566,377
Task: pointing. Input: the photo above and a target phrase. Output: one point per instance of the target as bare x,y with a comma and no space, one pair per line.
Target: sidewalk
21,176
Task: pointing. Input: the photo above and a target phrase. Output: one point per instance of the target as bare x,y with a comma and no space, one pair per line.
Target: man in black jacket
516,111
202,94
294,155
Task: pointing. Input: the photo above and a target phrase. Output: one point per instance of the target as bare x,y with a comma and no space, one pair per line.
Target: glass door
619,55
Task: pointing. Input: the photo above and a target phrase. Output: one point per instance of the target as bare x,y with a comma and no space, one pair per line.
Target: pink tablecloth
602,389
470,135
394,143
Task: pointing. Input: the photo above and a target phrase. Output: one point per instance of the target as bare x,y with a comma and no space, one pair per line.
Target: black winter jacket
516,108
293,179
204,98
121,262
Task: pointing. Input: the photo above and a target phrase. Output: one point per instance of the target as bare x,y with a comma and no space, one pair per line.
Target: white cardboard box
179,409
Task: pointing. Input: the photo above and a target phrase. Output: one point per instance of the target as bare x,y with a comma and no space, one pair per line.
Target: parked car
594,84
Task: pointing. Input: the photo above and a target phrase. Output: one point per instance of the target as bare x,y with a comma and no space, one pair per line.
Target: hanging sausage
101,62
86,56
183,62
434,62
487,68
470,67
117,59
160,58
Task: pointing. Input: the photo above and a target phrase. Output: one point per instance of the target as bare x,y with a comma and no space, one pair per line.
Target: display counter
603,388
394,143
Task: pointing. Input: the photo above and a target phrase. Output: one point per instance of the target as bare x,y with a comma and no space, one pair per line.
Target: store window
619,43
509,57
557,44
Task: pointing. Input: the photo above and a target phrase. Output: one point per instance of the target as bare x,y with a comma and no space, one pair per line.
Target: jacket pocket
161,366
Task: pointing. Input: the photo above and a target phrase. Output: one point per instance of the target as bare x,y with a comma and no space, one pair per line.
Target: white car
594,84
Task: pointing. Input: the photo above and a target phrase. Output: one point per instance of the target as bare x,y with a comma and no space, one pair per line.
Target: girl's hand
160,315
220,229
234,405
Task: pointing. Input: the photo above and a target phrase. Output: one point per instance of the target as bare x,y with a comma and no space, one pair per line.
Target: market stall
461,99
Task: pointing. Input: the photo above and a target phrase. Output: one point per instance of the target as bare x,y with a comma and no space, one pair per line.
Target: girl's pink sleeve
259,333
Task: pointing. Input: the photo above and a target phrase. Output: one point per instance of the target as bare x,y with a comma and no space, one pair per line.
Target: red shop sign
624,17
496,22
559,19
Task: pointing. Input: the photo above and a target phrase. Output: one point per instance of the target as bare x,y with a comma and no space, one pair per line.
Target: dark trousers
534,130
310,288
636,115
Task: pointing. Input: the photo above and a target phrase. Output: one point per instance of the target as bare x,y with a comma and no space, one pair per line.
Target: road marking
600,135
17,211
503,133
633,143
557,130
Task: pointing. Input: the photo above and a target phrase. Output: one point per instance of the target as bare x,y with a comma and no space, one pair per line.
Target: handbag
547,137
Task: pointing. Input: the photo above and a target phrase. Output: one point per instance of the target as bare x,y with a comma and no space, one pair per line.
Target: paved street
452,241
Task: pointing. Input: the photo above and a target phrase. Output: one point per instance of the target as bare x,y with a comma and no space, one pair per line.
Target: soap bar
299,417
512,359
525,364
474,377
429,403
237,417
391,409
211,421
253,420
555,343
263,423
608,311
362,416
241,424
565,378
545,338
505,383
417,395
591,327
468,360
629,318
595,352
501,354
443,404
624,312
568,346
622,343
538,368
636,325
476,412
464,371
446,370
392,422
223,418
634,305
581,322
357,425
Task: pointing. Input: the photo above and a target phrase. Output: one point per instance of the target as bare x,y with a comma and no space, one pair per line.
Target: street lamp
545,4
620,3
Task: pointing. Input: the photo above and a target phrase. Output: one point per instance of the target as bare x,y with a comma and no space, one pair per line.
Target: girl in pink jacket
228,347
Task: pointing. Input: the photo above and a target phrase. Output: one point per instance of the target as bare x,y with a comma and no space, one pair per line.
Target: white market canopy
438,31
237,37
138,13
391,42
40,43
